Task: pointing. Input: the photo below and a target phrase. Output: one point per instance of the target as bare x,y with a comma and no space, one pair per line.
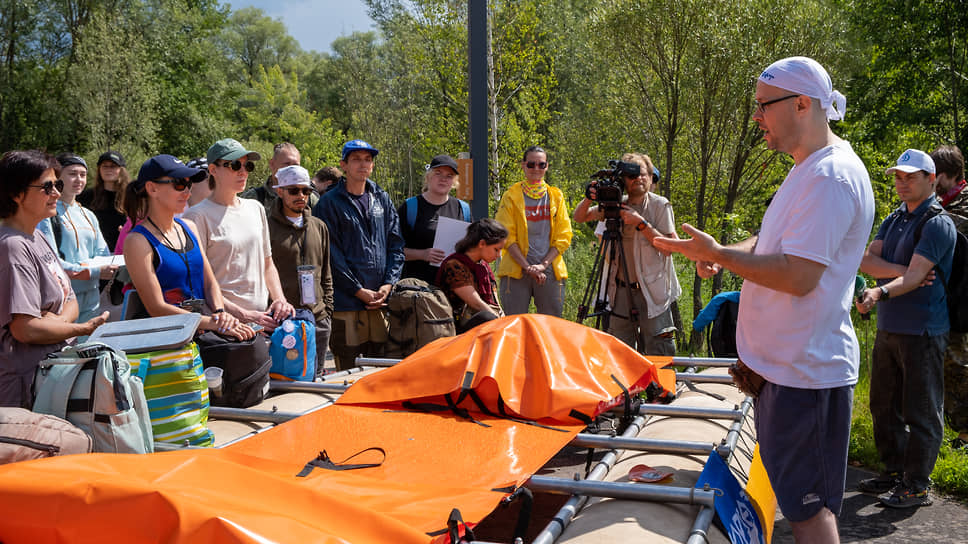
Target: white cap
913,160
292,175
803,75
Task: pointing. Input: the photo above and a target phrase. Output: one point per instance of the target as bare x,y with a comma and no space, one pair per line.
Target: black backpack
956,287
245,367
722,333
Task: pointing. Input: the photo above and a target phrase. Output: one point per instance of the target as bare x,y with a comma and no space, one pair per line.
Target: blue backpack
411,205
293,348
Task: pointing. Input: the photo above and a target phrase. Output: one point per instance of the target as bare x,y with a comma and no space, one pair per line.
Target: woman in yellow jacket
539,233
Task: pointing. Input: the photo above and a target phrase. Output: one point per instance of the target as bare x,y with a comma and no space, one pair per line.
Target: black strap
454,522
503,413
524,515
58,230
323,461
575,414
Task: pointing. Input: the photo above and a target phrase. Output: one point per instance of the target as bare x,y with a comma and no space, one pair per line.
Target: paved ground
863,519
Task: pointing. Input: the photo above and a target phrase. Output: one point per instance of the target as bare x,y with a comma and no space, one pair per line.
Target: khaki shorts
364,326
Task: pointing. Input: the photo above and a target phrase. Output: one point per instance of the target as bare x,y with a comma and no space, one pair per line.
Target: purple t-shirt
31,282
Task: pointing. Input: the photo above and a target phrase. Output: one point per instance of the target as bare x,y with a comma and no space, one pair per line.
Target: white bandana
804,75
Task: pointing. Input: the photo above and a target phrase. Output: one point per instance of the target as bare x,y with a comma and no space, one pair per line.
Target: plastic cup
213,375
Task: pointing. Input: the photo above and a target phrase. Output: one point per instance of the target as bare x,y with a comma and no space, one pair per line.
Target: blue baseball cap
165,165
358,145
656,175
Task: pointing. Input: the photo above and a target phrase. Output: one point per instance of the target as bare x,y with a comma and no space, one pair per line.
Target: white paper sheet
106,260
449,232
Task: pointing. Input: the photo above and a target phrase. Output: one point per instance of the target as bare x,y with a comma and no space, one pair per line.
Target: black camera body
609,185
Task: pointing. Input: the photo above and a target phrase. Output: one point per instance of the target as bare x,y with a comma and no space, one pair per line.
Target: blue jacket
365,252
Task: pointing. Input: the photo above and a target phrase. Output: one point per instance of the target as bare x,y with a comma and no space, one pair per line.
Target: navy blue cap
358,145
160,166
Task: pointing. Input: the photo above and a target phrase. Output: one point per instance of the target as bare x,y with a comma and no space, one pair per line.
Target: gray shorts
804,435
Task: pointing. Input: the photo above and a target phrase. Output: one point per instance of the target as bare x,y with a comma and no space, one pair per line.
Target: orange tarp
541,367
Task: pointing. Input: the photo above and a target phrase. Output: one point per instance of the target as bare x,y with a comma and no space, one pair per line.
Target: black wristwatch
885,294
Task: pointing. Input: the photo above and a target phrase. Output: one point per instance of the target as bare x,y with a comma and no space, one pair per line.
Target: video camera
609,185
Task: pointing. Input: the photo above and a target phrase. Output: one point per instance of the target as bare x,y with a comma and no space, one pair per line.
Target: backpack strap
465,209
411,207
54,399
58,229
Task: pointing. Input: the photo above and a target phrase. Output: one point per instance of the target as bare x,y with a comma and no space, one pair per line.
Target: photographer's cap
292,175
803,75
913,160
229,149
357,145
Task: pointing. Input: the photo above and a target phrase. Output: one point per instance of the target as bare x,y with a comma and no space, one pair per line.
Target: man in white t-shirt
235,234
794,332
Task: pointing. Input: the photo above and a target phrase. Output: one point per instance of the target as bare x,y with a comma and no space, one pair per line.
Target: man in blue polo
366,254
907,391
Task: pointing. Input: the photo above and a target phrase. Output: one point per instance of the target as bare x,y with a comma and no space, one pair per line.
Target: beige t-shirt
236,241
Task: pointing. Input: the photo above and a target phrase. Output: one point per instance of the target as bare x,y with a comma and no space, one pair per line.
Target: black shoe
881,484
903,496
959,444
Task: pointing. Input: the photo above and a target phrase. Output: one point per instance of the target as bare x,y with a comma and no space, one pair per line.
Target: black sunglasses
237,165
541,165
293,191
177,184
49,186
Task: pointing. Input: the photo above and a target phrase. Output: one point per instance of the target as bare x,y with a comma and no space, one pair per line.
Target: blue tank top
176,285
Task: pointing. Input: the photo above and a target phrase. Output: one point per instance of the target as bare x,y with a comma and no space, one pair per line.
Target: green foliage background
586,79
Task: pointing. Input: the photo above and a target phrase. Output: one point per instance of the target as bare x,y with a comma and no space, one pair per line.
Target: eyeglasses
49,186
176,184
293,191
237,165
540,165
760,107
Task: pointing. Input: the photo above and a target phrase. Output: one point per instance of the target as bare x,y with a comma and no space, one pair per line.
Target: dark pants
907,394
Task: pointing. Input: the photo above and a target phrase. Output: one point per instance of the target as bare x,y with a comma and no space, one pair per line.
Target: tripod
596,291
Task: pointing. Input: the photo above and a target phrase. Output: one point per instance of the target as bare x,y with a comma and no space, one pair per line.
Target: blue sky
314,23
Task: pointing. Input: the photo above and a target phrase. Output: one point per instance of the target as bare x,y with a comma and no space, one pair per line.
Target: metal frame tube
563,518
585,440
621,490
690,412
718,362
704,378
280,386
247,414
376,361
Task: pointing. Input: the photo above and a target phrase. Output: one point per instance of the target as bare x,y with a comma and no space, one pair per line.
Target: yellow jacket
510,213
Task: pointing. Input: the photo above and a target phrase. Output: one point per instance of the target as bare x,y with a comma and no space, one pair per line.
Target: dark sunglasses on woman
176,184
541,165
293,191
238,165
49,186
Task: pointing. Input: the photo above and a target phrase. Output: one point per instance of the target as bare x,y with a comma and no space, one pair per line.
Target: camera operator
642,292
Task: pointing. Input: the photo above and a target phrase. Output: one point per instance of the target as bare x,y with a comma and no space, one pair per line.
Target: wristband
642,226
218,310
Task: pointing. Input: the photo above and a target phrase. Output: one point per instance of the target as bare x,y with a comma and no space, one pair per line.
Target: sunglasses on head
49,186
237,165
540,165
176,184
293,191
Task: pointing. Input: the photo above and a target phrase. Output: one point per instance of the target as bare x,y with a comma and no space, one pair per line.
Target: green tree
253,39
114,97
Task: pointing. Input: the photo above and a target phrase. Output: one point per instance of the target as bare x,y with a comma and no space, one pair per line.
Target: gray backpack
91,386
